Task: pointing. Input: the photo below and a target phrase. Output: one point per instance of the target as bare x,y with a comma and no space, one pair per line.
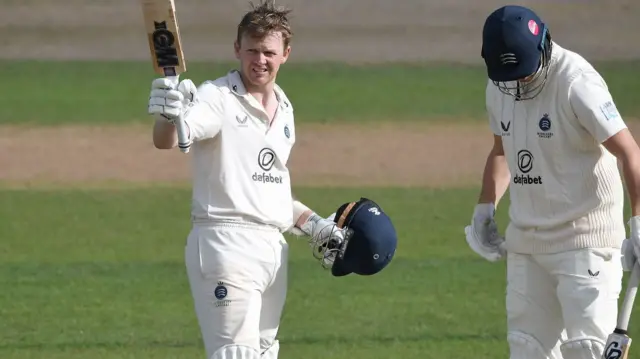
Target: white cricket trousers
238,280
562,305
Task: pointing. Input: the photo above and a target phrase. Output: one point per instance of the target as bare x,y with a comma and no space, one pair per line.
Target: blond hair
265,19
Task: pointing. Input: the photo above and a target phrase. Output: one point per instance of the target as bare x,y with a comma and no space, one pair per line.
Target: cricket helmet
516,45
370,239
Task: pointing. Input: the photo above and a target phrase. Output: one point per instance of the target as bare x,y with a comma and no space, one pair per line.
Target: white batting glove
326,238
631,246
170,99
482,235
628,257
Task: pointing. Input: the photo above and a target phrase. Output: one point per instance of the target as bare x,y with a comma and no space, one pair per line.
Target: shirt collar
234,81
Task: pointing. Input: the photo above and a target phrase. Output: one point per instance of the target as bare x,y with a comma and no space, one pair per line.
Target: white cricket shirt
240,162
566,190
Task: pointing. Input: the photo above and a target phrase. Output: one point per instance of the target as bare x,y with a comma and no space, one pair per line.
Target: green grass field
102,276
89,93
99,273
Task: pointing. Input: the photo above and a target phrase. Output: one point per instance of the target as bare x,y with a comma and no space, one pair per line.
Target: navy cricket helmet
370,239
516,48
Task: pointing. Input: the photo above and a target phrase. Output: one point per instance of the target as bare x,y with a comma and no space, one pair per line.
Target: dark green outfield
116,92
99,274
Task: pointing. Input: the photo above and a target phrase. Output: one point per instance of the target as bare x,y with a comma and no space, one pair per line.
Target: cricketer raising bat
619,342
163,34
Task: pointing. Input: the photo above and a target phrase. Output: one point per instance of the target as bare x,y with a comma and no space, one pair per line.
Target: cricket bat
619,342
165,45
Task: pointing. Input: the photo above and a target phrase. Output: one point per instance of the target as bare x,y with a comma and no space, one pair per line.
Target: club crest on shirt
545,127
220,293
287,133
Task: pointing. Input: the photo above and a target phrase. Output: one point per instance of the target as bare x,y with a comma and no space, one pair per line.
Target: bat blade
163,35
617,347
165,45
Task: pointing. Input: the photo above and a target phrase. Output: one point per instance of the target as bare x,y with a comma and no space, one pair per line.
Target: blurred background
336,30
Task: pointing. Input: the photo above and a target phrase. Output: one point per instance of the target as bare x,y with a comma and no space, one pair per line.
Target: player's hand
170,99
631,246
629,257
482,235
326,238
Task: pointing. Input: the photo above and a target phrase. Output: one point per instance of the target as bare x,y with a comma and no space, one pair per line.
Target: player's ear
236,48
285,55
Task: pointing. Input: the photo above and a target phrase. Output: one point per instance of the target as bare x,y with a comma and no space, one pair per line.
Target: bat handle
630,296
183,135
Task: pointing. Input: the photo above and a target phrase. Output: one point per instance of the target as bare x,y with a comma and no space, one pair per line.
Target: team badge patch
286,131
220,293
545,127
609,110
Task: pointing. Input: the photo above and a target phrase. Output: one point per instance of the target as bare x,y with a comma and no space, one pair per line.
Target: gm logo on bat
525,165
612,351
266,160
164,45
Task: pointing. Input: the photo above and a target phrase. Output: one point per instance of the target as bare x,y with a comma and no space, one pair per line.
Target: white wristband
298,210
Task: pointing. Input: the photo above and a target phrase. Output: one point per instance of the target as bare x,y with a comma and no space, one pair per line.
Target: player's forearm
495,179
301,212
631,170
165,135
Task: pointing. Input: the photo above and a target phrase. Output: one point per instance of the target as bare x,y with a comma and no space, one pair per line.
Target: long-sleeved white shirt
566,191
239,165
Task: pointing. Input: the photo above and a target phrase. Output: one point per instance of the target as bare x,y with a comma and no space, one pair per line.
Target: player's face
260,58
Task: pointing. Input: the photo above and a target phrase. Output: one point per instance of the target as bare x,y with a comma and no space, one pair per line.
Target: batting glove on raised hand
482,235
170,99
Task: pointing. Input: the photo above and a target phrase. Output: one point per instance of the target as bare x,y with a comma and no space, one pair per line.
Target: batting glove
482,235
628,255
326,238
631,246
169,99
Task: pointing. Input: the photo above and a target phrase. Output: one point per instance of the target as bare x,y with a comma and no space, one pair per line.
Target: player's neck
263,94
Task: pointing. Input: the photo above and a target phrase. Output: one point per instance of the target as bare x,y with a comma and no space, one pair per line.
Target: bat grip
183,135
629,297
